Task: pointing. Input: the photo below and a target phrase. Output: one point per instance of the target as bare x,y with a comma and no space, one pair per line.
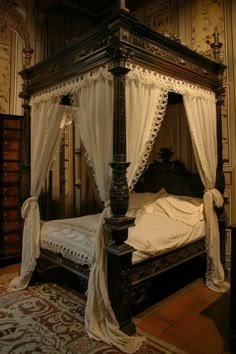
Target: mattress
163,222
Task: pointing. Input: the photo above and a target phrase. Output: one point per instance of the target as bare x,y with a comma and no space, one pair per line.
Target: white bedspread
74,238
164,224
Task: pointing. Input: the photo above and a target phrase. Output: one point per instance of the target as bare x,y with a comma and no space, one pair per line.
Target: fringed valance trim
137,72
69,86
169,83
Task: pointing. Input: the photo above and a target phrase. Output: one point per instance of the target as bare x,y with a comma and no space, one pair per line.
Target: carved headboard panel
173,176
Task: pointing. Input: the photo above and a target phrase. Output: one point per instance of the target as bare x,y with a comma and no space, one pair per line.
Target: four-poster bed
118,79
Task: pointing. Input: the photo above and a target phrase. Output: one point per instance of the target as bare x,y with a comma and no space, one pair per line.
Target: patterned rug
49,319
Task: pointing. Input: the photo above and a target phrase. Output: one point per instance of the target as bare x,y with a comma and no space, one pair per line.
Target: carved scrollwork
161,52
119,193
168,260
119,54
11,19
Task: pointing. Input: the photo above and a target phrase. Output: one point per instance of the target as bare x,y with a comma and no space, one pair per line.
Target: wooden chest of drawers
10,220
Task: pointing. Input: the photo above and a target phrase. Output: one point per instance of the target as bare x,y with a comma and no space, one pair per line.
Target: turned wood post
220,182
220,178
119,254
25,143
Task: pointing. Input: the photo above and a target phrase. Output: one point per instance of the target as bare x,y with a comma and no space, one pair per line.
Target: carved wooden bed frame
123,37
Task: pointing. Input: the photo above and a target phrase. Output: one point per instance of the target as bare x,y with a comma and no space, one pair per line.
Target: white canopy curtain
200,108
46,130
145,109
201,115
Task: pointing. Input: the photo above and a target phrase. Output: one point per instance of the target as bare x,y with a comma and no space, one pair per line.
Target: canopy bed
117,79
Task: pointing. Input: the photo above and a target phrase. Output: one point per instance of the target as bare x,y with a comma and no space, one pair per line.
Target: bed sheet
155,232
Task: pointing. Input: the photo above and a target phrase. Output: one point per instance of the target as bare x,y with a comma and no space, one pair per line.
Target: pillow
187,210
139,200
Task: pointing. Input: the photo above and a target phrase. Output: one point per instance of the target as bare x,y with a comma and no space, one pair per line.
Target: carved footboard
142,272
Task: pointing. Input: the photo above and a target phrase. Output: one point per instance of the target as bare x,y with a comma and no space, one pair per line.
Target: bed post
119,254
220,179
25,143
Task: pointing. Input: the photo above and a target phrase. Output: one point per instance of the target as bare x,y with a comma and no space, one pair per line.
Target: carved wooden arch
11,19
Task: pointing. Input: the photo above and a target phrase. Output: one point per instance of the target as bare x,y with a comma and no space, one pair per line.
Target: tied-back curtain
201,115
95,99
46,121
145,106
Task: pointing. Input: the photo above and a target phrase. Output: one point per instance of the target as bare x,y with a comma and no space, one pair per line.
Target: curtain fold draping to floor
46,130
201,115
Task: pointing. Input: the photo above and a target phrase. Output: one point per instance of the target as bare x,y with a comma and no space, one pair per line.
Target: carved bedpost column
119,254
25,143
220,182
220,175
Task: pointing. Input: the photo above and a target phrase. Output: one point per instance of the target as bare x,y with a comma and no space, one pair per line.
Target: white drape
95,101
46,120
201,115
96,125
145,109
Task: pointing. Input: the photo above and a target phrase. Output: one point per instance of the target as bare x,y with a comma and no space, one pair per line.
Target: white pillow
139,200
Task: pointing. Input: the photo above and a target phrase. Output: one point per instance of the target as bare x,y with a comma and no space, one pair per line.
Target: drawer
10,135
8,226
9,191
7,202
10,155
10,244
10,177
10,145
9,166
10,123
11,215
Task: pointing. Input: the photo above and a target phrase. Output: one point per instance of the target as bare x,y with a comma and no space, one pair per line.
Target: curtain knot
27,205
215,195
107,204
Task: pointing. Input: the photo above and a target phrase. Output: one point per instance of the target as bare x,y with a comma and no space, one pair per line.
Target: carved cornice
168,54
120,39
76,56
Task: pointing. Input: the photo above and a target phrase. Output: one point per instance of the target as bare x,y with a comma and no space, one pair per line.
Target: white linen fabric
145,107
74,238
186,210
46,126
156,231
139,200
201,115
95,101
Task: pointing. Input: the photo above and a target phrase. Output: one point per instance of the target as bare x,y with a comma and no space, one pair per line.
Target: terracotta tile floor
194,319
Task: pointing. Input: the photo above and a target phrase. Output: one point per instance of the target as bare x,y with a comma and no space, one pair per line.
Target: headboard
171,175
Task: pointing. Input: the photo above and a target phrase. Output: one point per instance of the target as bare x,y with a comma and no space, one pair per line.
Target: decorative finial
123,6
216,35
216,45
